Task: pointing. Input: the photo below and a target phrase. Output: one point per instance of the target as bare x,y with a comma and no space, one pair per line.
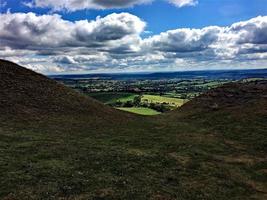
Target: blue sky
150,24
162,16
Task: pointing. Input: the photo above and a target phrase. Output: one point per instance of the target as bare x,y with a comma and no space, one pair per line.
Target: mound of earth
238,97
25,93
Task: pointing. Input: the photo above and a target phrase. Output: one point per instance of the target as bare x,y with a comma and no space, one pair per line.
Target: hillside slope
235,111
250,96
58,144
26,94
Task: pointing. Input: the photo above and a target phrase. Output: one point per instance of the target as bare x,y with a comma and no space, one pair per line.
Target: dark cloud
73,5
117,3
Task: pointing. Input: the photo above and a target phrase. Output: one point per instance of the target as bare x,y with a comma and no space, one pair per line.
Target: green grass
140,111
112,97
211,84
189,154
161,99
189,95
128,98
65,157
208,157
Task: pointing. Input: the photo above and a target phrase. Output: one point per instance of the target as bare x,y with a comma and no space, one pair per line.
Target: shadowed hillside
58,144
26,94
238,98
235,111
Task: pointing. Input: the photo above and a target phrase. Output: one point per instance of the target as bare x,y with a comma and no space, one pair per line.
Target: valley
133,100
57,143
150,94
156,95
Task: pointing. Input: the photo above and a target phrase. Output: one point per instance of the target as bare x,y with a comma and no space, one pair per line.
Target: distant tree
128,104
118,104
137,100
183,96
145,105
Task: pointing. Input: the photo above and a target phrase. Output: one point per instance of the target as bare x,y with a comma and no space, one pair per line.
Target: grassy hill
58,144
26,95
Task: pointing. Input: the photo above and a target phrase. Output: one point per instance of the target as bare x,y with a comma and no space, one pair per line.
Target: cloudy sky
83,36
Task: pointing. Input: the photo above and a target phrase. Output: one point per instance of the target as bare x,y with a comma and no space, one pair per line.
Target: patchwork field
139,103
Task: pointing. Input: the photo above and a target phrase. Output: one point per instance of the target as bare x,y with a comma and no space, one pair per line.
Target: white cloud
220,42
48,43
182,3
183,40
29,31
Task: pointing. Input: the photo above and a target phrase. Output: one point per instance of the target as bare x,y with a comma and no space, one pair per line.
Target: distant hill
205,74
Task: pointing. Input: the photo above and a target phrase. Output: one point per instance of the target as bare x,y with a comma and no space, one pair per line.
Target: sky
89,36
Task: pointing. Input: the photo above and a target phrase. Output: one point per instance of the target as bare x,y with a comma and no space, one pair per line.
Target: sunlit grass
161,99
140,111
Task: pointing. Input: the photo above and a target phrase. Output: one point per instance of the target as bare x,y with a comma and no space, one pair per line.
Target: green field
130,97
161,99
140,111
112,97
211,84
187,95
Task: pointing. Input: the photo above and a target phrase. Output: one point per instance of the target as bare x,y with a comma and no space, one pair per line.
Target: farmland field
112,97
127,101
159,95
161,99
140,111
